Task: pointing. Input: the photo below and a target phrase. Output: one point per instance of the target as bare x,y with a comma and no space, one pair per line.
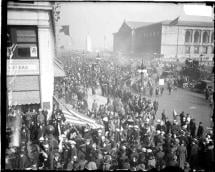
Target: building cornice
25,6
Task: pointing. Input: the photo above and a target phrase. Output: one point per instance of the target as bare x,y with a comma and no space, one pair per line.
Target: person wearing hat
192,127
41,117
200,130
24,161
125,164
173,162
159,156
73,149
107,163
182,154
194,157
91,165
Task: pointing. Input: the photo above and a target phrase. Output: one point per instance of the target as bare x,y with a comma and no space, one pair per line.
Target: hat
41,139
86,130
99,131
40,110
105,119
72,142
144,149
148,150
158,120
158,131
136,127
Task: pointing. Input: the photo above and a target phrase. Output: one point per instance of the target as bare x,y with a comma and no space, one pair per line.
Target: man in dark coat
200,130
24,161
194,155
192,128
209,157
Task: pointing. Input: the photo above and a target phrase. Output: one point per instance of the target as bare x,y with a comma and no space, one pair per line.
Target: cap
158,120
158,131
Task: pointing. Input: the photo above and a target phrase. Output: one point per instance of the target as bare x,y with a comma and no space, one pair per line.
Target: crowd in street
133,138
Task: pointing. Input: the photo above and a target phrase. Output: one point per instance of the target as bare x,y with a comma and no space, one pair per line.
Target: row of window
24,41
151,34
205,50
196,38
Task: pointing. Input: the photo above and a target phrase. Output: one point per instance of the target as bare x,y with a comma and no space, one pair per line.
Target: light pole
141,71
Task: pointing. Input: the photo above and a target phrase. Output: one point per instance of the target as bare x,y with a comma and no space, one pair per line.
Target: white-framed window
25,41
196,49
197,36
188,36
204,49
187,50
205,37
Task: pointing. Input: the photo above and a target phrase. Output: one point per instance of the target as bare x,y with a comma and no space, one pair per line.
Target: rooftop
135,24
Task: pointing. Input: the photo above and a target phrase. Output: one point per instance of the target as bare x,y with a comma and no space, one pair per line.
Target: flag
174,112
174,22
65,29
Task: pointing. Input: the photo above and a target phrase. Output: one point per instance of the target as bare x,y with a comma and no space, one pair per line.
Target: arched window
212,37
197,37
205,37
188,36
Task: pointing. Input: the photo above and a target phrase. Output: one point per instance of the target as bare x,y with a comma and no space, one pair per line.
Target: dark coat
194,155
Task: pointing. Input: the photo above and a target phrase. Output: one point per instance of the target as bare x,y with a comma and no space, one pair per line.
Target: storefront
31,63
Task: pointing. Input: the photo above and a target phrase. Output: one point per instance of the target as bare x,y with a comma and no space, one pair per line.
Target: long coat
182,155
194,155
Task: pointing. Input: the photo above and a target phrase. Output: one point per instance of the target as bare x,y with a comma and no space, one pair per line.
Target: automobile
201,86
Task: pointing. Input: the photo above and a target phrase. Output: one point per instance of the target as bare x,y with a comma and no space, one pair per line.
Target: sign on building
23,67
161,82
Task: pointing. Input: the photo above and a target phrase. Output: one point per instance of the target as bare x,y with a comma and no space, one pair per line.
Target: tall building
31,64
177,39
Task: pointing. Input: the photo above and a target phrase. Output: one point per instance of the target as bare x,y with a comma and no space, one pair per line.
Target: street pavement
187,101
180,100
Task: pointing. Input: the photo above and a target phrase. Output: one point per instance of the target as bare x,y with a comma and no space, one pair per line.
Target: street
187,101
180,100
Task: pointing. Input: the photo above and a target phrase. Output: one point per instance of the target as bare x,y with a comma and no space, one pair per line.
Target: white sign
33,51
23,67
161,81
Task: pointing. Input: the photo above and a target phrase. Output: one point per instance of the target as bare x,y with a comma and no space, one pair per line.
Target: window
24,39
205,37
188,37
187,50
196,37
212,37
196,49
204,50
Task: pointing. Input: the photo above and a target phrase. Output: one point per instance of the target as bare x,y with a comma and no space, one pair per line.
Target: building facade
176,39
31,55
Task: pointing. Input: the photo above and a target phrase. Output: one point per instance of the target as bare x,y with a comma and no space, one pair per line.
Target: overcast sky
99,20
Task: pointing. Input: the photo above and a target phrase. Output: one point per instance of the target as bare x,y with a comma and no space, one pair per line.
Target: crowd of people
133,137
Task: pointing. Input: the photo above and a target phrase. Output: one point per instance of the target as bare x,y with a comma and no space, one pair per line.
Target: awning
58,69
24,97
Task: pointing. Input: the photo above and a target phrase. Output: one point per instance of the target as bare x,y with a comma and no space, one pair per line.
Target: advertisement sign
161,82
33,51
23,67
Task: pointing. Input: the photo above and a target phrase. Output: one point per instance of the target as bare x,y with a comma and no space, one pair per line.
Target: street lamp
142,70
